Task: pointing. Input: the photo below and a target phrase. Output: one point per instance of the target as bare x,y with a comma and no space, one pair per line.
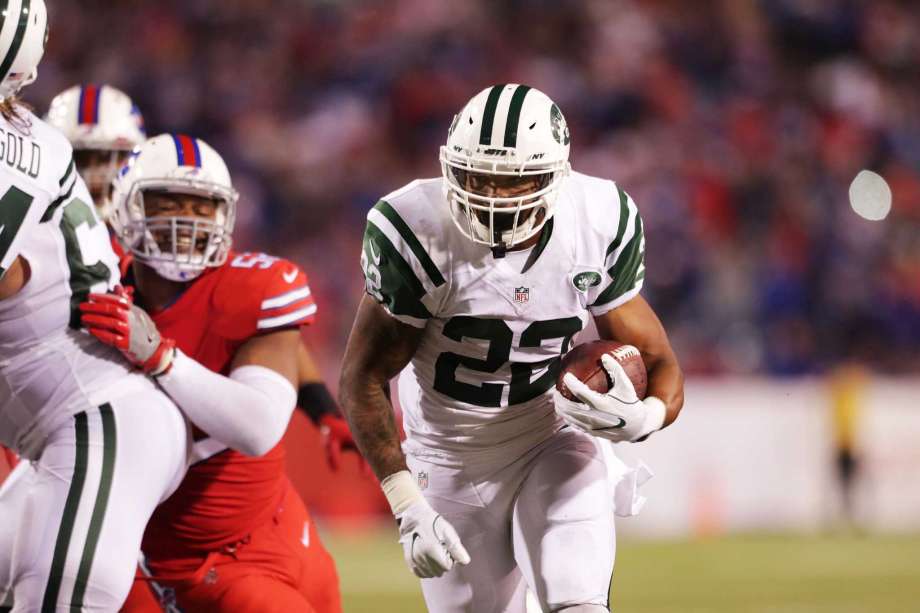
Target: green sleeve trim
415,245
625,271
389,277
49,212
624,218
67,172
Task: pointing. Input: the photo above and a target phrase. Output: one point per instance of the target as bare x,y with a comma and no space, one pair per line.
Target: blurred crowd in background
736,125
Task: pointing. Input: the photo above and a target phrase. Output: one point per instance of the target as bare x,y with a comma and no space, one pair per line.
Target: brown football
584,361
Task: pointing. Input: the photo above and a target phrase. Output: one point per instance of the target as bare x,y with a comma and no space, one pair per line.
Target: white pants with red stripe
77,514
545,520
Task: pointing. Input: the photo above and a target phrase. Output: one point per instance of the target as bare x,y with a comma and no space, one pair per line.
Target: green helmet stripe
17,38
514,115
488,115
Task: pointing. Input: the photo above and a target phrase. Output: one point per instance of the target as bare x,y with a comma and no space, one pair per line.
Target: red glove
116,321
338,439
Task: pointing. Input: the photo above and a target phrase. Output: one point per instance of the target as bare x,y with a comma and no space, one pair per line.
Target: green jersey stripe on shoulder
625,271
17,37
69,516
109,445
514,115
49,212
389,278
67,172
412,241
488,115
624,218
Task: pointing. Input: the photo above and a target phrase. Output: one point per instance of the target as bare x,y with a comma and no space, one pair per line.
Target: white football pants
73,519
545,521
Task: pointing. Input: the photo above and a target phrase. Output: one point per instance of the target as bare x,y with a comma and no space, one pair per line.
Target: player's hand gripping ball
600,391
584,361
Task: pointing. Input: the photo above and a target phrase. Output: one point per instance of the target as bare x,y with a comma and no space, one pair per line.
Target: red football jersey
124,258
226,494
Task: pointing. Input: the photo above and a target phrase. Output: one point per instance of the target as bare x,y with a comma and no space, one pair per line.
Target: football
584,361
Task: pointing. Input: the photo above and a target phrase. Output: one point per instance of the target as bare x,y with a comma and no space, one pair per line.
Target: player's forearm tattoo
378,349
373,425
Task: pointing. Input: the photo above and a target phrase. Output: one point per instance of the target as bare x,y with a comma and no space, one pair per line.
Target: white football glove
618,415
431,546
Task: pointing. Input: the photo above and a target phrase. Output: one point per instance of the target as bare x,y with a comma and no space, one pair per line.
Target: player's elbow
259,441
256,446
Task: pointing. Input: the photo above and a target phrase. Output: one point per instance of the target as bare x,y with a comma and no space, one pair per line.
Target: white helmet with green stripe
23,33
505,131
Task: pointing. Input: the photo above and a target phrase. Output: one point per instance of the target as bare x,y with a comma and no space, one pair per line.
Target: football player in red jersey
222,339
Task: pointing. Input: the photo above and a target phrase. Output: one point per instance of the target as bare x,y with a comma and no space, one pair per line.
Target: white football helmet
179,164
509,130
23,33
100,120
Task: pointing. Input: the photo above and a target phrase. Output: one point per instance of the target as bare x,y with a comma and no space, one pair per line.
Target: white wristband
401,491
655,413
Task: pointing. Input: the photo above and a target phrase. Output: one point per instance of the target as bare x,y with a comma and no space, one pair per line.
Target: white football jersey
48,369
496,327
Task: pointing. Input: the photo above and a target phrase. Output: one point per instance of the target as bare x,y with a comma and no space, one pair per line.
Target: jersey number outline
500,338
253,260
82,233
14,207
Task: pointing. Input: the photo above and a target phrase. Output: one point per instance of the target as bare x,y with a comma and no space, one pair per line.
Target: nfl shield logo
521,294
422,480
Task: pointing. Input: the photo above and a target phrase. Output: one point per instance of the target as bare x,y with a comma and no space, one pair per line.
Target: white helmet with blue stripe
103,124
505,131
97,117
179,248
23,31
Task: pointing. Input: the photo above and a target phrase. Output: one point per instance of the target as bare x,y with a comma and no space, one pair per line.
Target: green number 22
500,338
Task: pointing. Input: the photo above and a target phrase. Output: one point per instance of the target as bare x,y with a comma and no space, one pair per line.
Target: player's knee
31,595
109,584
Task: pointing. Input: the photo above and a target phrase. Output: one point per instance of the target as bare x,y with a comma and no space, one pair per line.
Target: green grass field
775,574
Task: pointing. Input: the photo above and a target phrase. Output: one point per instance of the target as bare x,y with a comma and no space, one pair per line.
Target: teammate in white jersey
477,283
88,426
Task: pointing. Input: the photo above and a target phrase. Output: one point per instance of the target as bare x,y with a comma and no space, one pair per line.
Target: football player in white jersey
477,283
103,124
70,406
